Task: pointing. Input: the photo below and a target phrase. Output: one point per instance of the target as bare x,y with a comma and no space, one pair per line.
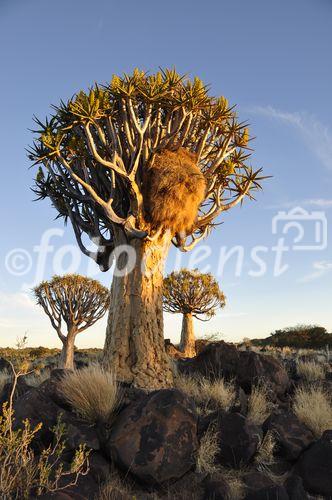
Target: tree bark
67,352
134,346
187,343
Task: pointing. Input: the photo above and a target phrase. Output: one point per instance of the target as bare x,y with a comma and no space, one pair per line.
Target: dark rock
238,438
256,480
99,467
216,488
188,487
21,388
217,359
155,437
5,366
241,405
270,493
315,466
295,489
255,368
128,394
39,405
292,436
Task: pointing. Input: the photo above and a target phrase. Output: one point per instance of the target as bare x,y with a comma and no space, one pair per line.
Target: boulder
155,437
275,492
217,359
42,405
5,366
238,438
292,436
315,466
216,487
255,368
295,489
21,388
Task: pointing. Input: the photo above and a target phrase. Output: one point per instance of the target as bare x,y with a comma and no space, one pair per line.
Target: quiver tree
73,303
145,161
195,295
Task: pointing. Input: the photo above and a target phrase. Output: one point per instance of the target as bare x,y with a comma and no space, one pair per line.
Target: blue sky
273,59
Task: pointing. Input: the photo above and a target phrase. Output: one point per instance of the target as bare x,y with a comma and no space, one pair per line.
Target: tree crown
76,300
192,292
93,150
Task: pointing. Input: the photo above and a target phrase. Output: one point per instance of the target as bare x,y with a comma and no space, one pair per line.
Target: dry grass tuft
216,394
207,452
115,488
313,406
92,392
265,455
310,371
259,404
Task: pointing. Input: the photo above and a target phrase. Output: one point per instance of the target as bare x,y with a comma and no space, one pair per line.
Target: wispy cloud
321,203
316,134
320,269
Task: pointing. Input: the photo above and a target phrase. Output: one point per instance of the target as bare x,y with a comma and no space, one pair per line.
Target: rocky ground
164,444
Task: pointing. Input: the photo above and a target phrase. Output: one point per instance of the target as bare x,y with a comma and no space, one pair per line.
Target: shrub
35,379
259,404
310,371
313,406
92,392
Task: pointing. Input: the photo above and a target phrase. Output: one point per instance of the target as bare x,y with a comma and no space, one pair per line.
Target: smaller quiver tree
195,295
73,303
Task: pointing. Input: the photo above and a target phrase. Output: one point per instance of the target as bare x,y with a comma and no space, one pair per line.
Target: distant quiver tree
194,295
73,303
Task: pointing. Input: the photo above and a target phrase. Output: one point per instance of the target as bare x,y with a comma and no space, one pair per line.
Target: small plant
115,488
23,475
310,371
207,452
92,392
313,406
259,404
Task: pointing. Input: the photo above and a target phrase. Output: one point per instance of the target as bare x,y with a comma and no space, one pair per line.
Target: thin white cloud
316,134
320,269
321,203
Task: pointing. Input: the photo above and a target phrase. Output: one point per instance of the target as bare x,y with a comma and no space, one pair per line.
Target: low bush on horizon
92,392
313,406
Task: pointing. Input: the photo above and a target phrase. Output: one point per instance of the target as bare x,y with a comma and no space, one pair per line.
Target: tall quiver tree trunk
187,342
134,345
68,349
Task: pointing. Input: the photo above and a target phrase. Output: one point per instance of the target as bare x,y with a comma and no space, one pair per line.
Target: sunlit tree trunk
187,342
68,349
134,346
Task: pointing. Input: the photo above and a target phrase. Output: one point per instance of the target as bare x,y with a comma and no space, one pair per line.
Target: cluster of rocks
154,437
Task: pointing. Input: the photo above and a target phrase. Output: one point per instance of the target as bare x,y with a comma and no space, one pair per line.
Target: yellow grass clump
259,404
310,371
207,452
216,394
313,406
92,392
